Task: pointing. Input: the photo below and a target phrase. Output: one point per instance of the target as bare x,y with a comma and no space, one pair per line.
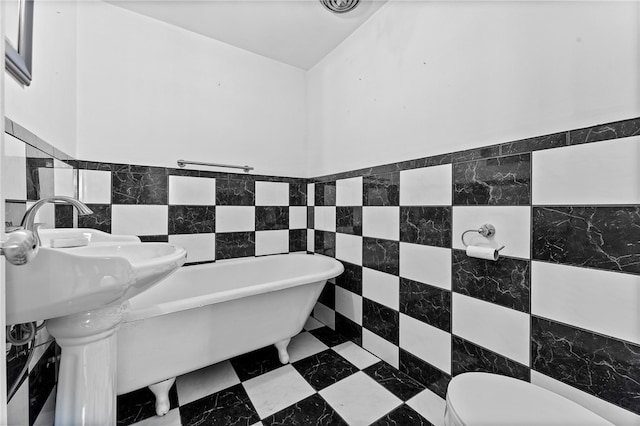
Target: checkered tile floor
329,381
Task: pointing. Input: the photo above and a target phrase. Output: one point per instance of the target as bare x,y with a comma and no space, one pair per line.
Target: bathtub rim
138,313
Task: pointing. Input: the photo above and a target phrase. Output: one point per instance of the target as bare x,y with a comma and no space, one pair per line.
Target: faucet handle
20,248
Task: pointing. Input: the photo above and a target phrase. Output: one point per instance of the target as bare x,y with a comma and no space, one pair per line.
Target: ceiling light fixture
340,6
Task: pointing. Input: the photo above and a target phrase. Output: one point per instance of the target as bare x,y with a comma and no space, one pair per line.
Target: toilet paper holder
487,230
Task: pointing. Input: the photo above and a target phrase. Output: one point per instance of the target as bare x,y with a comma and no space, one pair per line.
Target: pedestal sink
80,291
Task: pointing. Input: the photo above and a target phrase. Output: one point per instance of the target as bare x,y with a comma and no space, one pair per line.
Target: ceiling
297,32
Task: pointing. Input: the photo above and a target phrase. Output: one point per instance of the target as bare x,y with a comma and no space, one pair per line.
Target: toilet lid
491,399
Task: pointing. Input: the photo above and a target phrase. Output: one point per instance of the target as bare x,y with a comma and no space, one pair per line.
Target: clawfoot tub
208,313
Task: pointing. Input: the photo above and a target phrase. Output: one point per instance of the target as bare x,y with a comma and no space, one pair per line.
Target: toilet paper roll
488,253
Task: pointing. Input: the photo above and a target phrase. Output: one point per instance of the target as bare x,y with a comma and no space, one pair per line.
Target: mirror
18,40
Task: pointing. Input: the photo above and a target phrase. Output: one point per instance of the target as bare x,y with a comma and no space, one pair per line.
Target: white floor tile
430,406
359,399
356,355
172,418
312,324
276,390
303,345
203,382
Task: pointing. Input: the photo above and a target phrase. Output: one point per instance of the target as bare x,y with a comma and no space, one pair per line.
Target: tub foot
281,346
161,391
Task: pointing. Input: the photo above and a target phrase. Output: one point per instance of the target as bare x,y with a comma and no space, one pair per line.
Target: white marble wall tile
426,342
428,186
502,330
349,192
235,218
595,173
139,219
601,301
381,287
426,264
272,193
381,222
200,247
349,248
194,191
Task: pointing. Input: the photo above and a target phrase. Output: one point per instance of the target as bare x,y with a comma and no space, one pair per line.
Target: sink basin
66,281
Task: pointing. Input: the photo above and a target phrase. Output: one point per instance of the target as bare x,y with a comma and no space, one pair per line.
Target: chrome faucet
29,217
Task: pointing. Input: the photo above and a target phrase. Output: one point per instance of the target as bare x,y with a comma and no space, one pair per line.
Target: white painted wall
48,106
426,77
151,93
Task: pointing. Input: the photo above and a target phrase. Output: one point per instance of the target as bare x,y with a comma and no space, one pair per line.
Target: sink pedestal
87,380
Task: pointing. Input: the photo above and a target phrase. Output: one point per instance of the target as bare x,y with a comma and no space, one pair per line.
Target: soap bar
78,241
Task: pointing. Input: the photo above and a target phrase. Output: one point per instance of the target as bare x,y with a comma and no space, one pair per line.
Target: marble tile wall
566,287
558,308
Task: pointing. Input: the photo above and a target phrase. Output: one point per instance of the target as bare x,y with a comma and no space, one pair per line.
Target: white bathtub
208,313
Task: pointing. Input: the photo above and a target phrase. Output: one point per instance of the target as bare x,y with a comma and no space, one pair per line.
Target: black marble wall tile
269,218
429,304
324,369
433,378
325,243
349,220
476,153
230,245
229,407
311,411
325,194
63,216
310,217
154,238
596,237
297,240
381,320
40,178
298,193
493,181
234,190
467,357
42,379
381,190
618,129
426,225
100,219
506,282
133,407
139,185
555,140
381,255
394,380
602,366
351,278
192,220
328,295
348,329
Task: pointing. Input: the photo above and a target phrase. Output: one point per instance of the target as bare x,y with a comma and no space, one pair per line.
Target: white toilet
483,399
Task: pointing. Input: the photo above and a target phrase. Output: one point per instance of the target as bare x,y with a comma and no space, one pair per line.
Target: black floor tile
402,416
324,369
311,411
328,336
395,381
138,405
256,363
229,407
